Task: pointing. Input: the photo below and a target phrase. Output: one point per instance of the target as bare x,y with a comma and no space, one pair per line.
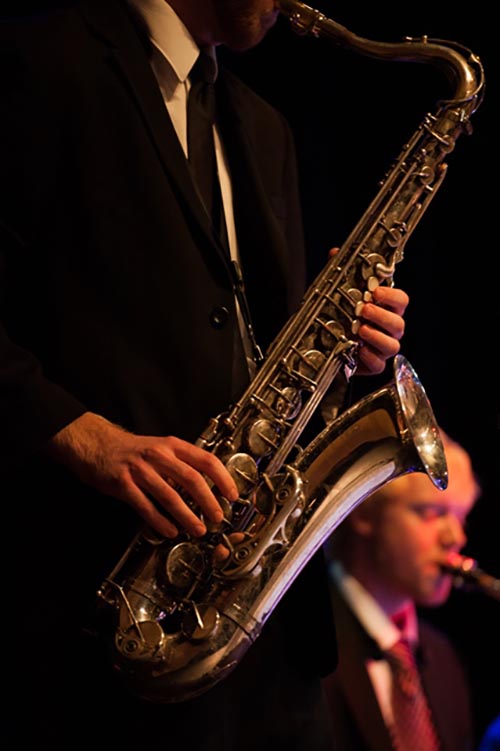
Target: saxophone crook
462,68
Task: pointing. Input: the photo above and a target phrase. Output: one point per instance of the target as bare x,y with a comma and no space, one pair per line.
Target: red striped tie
413,727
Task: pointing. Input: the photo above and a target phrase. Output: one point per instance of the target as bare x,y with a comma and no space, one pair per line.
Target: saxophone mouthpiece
467,575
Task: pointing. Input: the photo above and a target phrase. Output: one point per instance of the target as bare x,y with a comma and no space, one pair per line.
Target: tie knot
204,70
400,620
202,92
401,654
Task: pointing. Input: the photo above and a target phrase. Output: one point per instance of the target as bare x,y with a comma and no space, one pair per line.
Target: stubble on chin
245,23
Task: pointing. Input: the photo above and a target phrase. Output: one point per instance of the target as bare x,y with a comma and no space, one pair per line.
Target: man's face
416,527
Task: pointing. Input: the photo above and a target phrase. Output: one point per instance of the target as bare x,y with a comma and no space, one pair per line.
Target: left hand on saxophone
382,328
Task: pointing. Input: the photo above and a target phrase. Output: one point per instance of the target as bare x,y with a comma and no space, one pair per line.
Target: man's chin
435,597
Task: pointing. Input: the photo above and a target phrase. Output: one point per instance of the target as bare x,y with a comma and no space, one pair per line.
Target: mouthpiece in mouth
459,565
467,575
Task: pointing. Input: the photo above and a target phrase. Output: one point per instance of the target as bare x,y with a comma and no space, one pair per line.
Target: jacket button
219,317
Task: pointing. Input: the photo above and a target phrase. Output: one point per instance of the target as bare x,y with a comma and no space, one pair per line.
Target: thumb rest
177,619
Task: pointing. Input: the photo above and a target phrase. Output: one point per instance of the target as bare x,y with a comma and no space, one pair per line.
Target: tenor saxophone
177,618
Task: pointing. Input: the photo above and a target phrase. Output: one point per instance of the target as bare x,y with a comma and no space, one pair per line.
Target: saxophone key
184,565
288,403
200,622
331,332
244,472
262,437
311,363
140,641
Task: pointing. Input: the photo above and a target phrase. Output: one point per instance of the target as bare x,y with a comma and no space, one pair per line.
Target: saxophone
177,618
467,575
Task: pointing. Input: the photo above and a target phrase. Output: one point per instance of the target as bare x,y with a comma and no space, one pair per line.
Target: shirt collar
169,35
367,610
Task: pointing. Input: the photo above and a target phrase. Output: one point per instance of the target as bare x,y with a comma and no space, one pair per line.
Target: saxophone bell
178,626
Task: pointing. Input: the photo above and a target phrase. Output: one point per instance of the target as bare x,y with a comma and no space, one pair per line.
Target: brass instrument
468,576
177,620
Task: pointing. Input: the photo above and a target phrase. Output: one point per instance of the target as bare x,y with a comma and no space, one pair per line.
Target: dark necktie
201,148
413,727
201,155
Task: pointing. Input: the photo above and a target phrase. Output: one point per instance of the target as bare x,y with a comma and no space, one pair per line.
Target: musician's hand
382,328
145,472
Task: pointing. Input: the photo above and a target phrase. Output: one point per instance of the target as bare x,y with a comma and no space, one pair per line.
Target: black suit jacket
357,720
113,286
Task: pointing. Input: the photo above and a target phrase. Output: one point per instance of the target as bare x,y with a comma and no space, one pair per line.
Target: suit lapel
261,242
128,54
354,648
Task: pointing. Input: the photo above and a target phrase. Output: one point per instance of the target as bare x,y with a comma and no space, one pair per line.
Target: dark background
351,116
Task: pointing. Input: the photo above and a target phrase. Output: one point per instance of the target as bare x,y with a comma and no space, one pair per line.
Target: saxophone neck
462,68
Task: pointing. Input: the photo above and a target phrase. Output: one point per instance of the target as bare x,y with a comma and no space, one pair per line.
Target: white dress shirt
174,54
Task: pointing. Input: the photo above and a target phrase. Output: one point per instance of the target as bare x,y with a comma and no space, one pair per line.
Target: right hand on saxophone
144,471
